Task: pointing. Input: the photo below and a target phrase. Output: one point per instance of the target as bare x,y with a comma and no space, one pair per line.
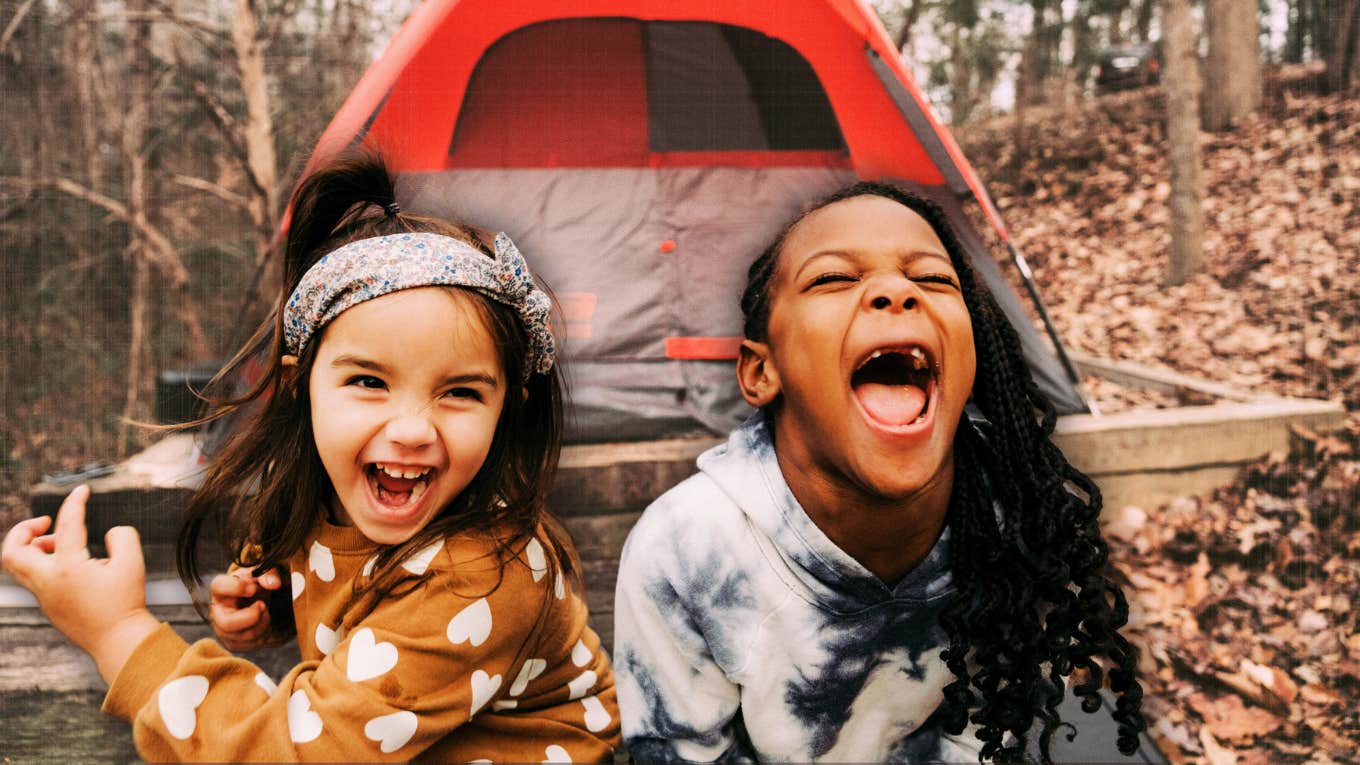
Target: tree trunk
1083,53
1114,33
1343,55
1180,79
138,78
261,163
84,29
1232,76
1297,34
913,12
1144,26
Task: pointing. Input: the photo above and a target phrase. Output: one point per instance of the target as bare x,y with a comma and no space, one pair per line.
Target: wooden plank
1185,438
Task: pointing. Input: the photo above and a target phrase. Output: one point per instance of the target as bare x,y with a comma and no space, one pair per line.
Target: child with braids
386,499
890,560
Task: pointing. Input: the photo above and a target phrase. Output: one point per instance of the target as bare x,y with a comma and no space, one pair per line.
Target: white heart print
538,561
327,639
299,583
319,560
580,655
391,731
178,702
597,717
556,753
531,669
369,658
472,624
504,704
303,724
559,588
368,565
484,686
418,563
266,685
584,682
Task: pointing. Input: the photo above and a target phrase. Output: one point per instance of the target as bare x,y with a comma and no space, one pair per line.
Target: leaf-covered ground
1246,601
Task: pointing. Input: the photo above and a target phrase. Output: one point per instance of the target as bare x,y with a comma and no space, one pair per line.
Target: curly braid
1033,604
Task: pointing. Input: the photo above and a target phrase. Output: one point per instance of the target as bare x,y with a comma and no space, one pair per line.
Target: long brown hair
1034,602
267,487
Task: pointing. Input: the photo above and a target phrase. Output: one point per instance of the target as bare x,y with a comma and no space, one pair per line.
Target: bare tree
1343,52
1143,24
1232,72
1180,79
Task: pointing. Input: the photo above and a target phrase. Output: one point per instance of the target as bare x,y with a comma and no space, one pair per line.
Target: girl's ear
756,374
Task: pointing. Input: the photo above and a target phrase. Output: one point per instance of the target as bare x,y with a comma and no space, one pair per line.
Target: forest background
148,146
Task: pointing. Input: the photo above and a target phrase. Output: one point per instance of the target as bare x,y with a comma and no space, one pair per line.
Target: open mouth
894,386
397,487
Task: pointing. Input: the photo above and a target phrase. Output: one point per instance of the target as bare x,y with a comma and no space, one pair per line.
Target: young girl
389,480
890,560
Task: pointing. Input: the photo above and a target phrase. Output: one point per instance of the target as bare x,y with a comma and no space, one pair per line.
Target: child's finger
233,621
230,587
270,580
125,548
46,542
71,536
17,553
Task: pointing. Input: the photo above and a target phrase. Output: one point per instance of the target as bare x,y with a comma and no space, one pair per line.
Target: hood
746,470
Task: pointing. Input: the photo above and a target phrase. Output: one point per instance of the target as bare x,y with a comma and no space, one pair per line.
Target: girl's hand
239,613
98,604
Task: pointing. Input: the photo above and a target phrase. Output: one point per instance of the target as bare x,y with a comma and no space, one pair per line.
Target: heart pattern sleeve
437,670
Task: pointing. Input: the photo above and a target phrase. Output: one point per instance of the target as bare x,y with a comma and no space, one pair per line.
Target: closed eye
467,394
368,382
937,279
829,278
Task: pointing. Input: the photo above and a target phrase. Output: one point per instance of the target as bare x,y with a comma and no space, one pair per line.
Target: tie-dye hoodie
743,633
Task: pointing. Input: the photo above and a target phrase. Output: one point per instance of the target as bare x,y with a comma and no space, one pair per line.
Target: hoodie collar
747,470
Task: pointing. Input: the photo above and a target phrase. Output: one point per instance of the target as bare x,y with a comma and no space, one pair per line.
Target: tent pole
1027,277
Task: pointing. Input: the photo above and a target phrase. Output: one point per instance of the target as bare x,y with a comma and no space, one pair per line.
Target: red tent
641,152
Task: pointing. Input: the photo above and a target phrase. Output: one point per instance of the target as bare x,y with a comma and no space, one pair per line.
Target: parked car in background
1129,66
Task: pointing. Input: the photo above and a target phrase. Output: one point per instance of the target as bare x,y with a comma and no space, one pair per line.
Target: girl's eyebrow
479,376
472,377
348,360
911,256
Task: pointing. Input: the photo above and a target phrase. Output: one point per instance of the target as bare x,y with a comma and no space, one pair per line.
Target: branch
13,25
222,193
162,251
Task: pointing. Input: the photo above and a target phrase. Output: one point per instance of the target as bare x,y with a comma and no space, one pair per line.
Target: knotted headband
371,268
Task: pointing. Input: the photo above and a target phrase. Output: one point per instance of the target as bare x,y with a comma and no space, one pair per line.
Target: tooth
916,353
409,474
418,489
876,354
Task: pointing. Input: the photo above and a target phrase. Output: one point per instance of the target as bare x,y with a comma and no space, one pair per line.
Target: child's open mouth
894,386
397,487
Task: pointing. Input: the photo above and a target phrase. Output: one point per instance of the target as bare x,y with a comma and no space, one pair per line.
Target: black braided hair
1033,604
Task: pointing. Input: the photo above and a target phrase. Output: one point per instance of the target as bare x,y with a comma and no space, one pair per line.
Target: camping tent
641,152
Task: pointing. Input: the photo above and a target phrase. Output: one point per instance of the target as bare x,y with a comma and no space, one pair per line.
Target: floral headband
371,268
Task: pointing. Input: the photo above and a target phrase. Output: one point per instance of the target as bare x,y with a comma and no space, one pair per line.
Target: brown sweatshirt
472,663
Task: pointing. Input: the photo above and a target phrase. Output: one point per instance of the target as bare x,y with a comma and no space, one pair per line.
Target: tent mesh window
604,92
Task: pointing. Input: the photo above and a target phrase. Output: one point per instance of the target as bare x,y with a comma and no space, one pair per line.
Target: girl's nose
411,430
891,293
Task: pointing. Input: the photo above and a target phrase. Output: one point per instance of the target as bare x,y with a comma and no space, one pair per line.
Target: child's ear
756,374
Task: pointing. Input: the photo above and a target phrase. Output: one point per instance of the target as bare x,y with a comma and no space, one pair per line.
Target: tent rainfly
641,152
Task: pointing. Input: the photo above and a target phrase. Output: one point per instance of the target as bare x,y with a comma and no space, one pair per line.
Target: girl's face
406,391
870,349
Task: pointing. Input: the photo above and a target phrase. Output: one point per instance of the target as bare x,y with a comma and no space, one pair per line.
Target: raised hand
238,611
99,604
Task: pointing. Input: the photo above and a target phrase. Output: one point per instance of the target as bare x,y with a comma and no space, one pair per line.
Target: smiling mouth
894,386
397,487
